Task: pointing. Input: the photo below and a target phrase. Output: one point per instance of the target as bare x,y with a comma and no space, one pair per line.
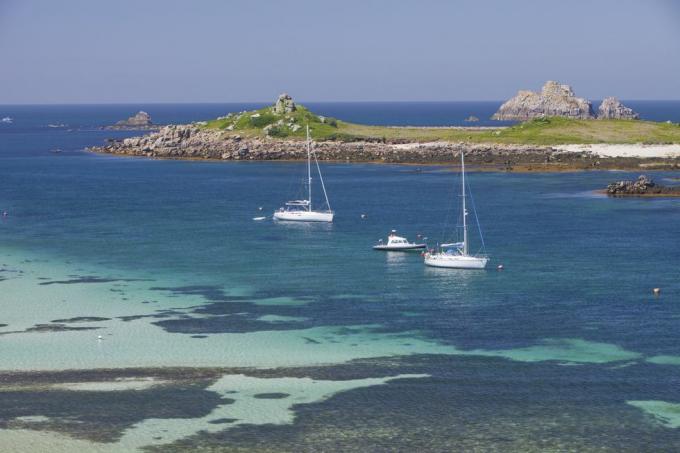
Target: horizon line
297,102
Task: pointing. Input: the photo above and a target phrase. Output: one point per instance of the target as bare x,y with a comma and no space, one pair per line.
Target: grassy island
540,131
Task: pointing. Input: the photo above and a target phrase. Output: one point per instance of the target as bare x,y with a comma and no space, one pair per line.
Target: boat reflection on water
397,258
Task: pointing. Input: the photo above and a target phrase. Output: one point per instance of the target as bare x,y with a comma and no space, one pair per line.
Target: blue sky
86,51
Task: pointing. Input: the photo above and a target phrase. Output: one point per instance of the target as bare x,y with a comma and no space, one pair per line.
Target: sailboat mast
309,171
465,231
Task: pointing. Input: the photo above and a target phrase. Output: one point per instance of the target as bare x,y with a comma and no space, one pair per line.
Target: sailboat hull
304,216
456,261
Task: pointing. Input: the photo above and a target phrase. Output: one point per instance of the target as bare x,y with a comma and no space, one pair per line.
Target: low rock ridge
557,99
195,142
642,186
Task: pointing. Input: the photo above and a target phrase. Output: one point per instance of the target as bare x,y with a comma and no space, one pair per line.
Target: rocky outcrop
642,186
284,104
196,142
140,120
612,108
554,100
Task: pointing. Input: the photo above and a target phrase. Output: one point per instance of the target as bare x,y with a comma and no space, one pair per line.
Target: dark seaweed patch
223,421
271,396
104,416
211,293
469,404
240,314
158,315
91,279
51,328
58,328
81,319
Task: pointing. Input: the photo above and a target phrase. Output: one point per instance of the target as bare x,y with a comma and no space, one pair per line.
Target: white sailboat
457,255
302,210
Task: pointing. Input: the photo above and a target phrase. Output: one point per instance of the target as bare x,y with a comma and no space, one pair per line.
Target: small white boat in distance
301,210
398,243
7,120
456,255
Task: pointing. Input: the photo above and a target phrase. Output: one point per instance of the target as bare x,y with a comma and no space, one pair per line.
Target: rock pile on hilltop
557,99
284,104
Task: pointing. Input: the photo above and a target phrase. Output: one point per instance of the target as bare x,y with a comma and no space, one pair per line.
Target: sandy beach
625,150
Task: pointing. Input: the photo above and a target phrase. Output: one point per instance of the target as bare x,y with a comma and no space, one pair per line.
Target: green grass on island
540,131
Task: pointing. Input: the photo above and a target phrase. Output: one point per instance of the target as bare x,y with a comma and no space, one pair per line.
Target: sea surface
311,340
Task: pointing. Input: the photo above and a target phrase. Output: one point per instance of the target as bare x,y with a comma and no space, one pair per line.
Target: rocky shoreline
194,142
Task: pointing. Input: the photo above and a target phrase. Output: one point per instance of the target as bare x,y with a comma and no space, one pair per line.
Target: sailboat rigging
457,255
302,210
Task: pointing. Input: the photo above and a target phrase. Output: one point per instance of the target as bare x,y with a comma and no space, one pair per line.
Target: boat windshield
298,203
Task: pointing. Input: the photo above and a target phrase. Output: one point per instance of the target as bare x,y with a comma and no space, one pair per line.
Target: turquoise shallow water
163,260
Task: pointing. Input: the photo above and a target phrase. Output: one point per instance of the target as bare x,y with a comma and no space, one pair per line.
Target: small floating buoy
656,291
260,208
100,338
500,267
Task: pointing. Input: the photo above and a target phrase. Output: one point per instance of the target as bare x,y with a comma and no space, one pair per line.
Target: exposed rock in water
284,104
554,100
612,108
643,185
140,120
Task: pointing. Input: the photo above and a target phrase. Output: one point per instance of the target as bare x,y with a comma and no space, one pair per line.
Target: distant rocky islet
556,99
139,121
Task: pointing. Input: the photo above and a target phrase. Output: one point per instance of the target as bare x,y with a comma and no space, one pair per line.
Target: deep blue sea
333,346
